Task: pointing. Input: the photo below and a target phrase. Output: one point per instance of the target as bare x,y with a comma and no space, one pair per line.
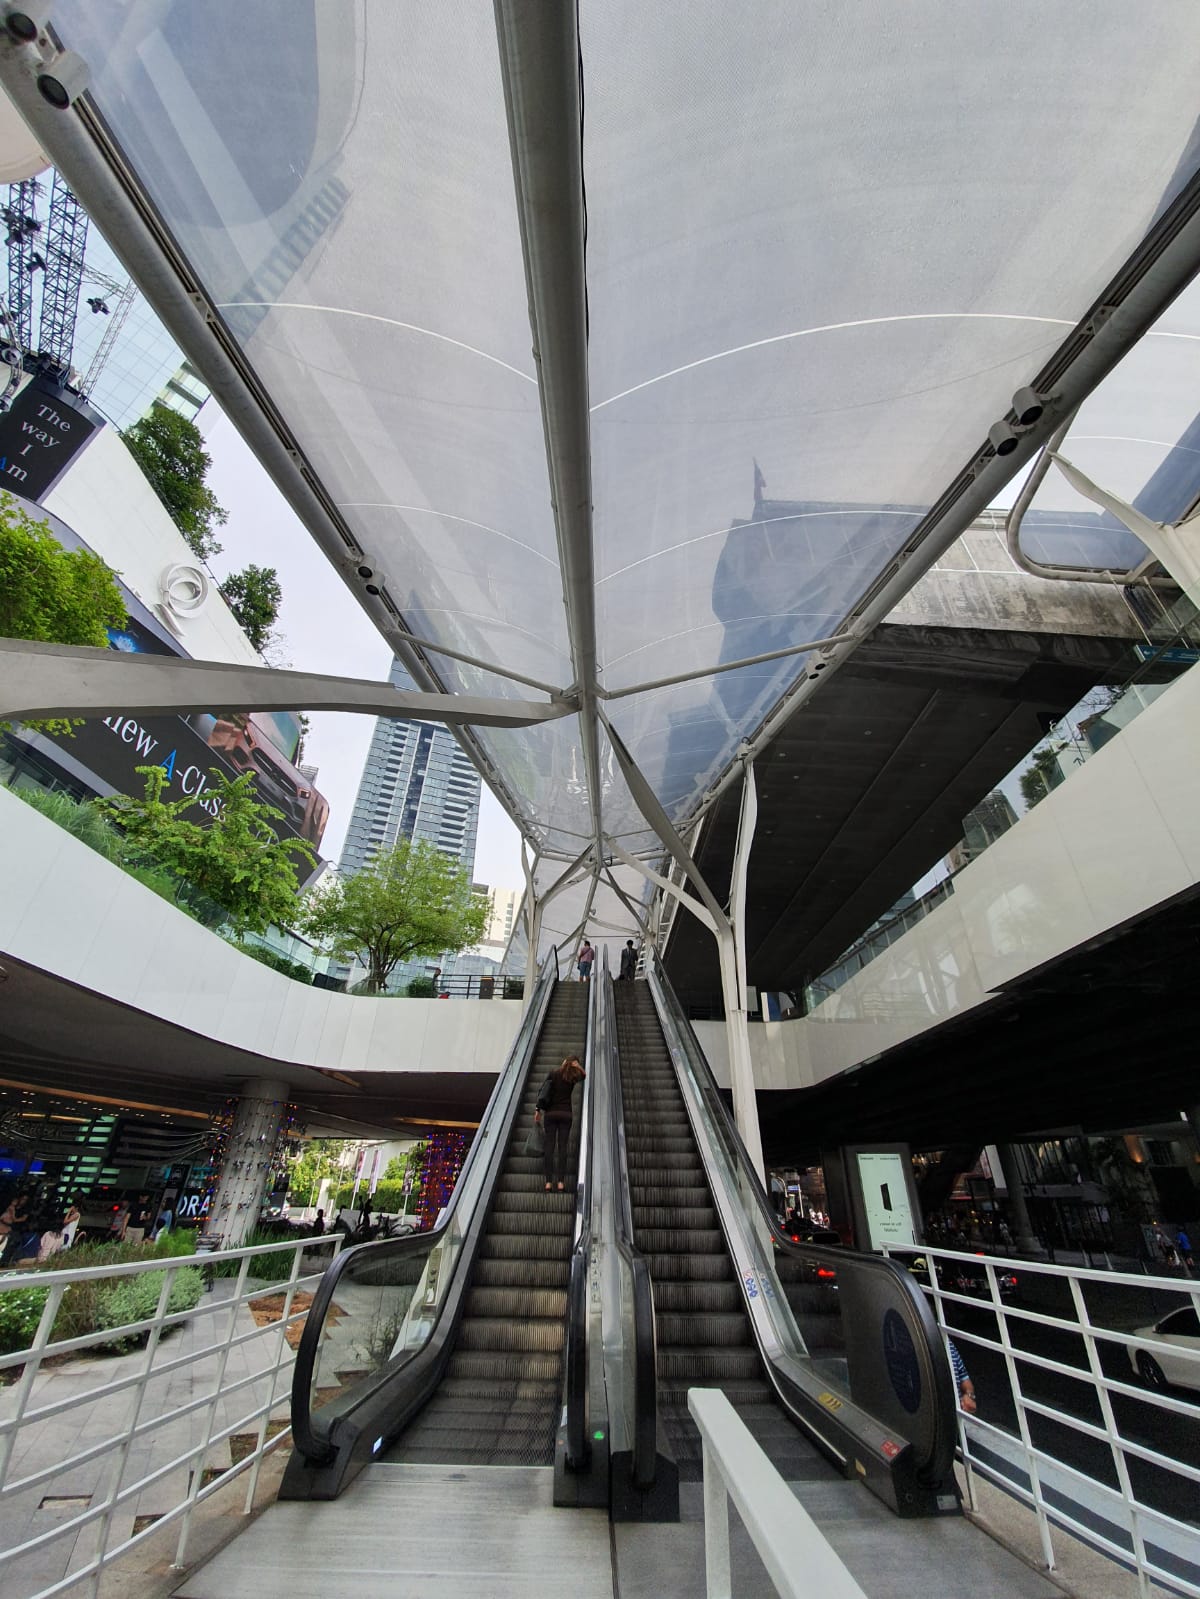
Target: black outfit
555,1104
628,964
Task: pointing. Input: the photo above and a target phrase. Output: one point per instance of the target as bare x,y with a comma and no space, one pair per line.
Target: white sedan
1175,1360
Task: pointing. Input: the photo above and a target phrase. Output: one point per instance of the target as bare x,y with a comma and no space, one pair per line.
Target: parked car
1175,1361
959,1277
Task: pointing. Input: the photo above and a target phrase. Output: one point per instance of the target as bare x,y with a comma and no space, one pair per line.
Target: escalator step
710,1298
525,1246
545,1220
496,1365
517,1302
685,1221
664,1241
678,1196
523,1273
511,1390
689,1268
533,1203
707,1365
725,1330
497,1332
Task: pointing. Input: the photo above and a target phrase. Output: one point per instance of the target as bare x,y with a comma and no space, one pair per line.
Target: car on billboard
246,748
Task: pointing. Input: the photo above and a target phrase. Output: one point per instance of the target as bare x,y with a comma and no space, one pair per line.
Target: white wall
1121,835
104,496
68,911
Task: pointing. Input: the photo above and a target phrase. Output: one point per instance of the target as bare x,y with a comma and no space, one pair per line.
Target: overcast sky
324,631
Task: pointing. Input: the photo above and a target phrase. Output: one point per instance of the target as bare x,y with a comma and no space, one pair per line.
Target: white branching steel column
732,942
40,681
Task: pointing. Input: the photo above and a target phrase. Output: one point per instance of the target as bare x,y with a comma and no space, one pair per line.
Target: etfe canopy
822,247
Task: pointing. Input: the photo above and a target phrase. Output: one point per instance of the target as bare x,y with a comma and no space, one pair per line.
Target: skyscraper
417,783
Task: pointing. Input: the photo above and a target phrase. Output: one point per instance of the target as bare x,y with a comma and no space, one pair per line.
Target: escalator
704,1334
497,1404
449,1346
827,1355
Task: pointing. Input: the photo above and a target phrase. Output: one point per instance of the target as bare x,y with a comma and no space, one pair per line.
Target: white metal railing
153,1421
1156,1545
798,1558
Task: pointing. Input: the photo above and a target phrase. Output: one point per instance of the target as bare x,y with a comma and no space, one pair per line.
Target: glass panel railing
379,1304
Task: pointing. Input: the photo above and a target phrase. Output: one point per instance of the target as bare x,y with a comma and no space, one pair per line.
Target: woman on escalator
553,1113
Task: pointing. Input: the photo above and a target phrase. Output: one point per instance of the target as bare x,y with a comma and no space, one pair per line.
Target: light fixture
24,21
63,80
1002,438
1028,406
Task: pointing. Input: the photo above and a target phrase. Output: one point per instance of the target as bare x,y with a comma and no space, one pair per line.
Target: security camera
24,20
62,80
1002,438
1028,406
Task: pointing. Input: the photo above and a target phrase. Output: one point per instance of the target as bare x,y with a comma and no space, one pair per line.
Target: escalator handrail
305,1435
575,1362
645,1385
941,1458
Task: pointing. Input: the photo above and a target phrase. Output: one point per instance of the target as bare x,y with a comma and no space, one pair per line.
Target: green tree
254,597
52,595
408,901
1042,774
170,451
400,1165
236,861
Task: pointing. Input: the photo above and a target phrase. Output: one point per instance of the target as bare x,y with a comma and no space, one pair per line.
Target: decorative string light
445,1152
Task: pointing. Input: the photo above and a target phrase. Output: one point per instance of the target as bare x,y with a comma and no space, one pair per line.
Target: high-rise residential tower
417,783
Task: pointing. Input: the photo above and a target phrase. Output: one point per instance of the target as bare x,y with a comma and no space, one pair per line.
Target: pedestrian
628,962
162,1222
1183,1243
553,1113
52,1239
962,1379
71,1223
16,1217
119,1224
319,1224
585,958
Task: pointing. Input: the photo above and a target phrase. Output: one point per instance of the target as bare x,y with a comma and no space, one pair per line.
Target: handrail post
718,1573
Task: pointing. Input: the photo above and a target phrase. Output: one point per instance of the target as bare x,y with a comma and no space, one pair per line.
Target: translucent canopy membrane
1137,435
825,245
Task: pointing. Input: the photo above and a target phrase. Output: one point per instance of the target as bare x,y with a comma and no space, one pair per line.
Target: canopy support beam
41,681
539,67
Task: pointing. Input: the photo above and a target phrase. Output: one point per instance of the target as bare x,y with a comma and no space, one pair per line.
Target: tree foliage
50,594
408,901
1042,774
170,451
235,861
254,596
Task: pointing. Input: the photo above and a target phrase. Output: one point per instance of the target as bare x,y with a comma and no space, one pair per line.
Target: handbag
535,1140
